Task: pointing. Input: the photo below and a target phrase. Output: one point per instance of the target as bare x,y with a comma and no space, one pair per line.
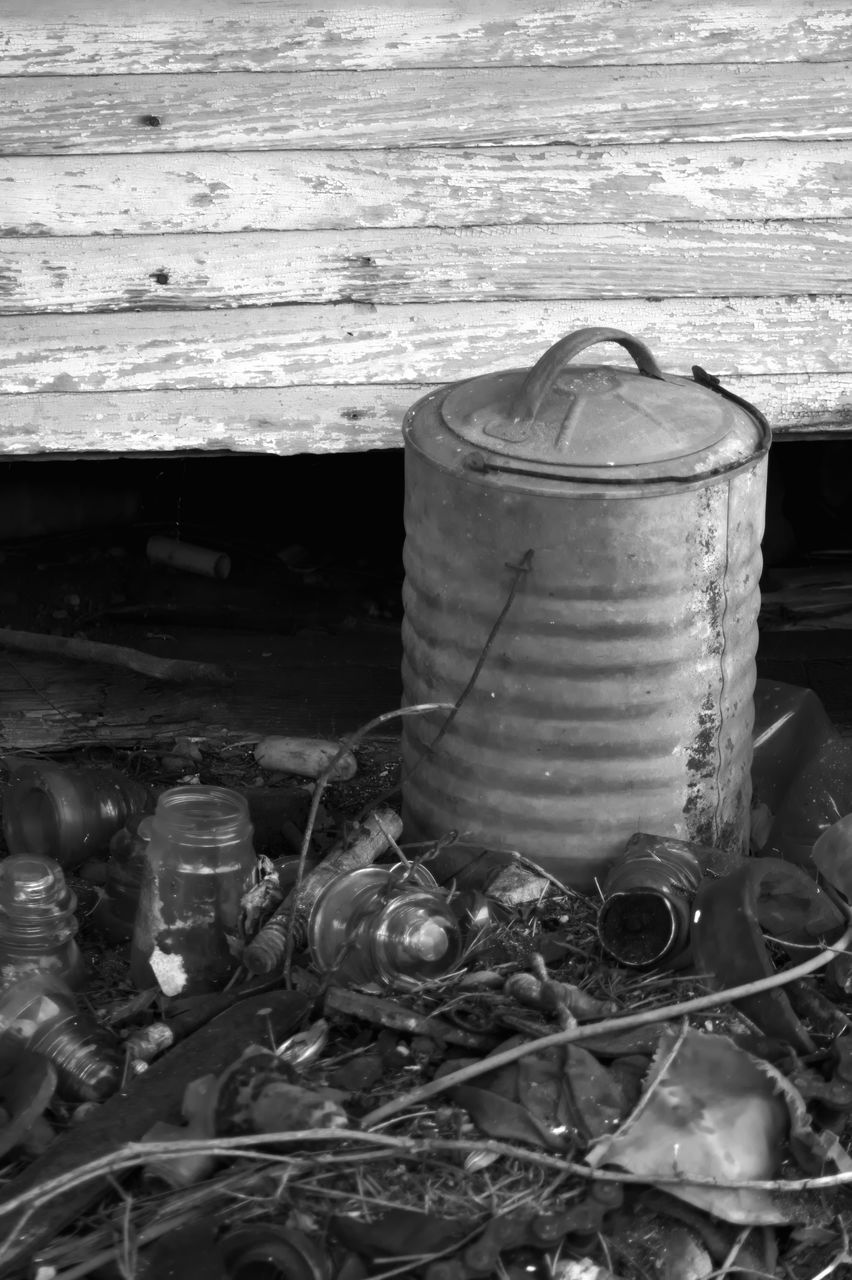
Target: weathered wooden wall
269,226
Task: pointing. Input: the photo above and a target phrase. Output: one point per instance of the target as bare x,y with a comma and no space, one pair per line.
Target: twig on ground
383,1145
403,857
114,655
389,1013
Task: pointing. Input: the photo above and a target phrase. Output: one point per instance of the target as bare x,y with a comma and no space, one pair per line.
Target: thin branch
646,1017
113,655
384,1145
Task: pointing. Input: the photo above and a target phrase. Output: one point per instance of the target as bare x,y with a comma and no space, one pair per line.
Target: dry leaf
709,1109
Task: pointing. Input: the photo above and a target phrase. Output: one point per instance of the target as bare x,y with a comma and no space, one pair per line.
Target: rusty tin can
585,541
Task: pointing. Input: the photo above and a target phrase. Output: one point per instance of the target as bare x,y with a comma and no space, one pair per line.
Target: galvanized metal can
582,560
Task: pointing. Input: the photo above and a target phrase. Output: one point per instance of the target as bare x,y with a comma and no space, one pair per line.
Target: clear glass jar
199,863
40,1013
37,922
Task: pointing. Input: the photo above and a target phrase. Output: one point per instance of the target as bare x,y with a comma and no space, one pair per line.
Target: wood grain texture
305,190
683,259
441,188
323,419
261,35
355,344
523,106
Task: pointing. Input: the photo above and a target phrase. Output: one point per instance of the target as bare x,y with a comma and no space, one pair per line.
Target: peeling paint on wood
288,346
500,175
528,106
260,35
323,419
682,259
304,190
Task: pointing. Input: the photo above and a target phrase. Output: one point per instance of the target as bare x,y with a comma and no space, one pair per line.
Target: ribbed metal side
617,695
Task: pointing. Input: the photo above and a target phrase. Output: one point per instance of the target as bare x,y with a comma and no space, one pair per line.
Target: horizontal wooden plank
351,343
321,419
315,190
260,35
681,259
268,420
522,106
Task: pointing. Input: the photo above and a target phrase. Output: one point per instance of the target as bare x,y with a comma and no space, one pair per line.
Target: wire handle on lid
538,383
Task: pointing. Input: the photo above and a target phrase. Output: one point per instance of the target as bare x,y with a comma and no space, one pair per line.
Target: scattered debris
516,1098
360,848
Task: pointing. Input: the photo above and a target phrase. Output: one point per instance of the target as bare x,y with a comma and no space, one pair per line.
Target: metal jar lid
593,423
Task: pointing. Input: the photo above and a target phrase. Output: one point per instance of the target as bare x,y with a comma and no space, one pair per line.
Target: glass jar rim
233,805
194,813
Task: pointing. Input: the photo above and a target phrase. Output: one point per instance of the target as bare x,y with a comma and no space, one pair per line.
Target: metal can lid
602,419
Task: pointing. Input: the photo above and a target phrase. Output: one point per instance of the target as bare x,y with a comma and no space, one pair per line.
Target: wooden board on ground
313,683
